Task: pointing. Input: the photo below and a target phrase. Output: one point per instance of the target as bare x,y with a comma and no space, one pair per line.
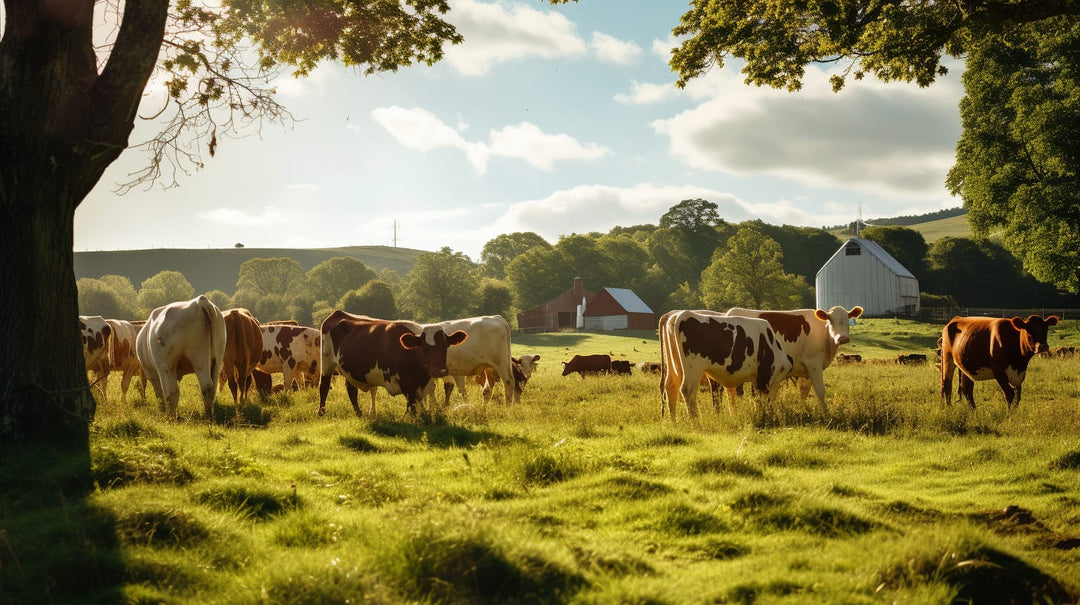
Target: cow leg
209,393
714,393
818,380
732,393
170,392
371,407
353,392
946,378
125,383
510,393
967,389
1006,388
689,392
448,388
324,389
669,394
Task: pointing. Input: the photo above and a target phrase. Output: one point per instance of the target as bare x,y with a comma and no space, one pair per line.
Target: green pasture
581,494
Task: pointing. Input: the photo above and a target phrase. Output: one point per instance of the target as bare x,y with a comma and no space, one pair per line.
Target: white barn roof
628,300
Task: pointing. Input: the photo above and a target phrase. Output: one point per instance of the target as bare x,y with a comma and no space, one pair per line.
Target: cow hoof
321,412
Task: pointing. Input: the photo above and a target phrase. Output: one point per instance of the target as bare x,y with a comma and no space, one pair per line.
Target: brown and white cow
401,356
729,350
587,364
984,348
811,337
122,357
95,331
291,350
181,338
243,350
523,368
665,363
487,347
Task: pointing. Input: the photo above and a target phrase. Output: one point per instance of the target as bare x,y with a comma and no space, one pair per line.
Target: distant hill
952,222
218,269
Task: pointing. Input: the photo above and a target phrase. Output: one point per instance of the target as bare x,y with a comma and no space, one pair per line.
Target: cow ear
457,338
855,312
409,340
1052,320
822,315
536,358
1018,323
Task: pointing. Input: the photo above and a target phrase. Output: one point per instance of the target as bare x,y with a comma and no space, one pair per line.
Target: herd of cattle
722,349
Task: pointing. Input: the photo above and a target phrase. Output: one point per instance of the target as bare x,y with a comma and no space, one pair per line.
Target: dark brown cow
400,356
587,364
620,366
1064,352
985,349
243,348
911,358
848,358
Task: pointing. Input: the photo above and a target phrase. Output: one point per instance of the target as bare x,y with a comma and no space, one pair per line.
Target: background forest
692,258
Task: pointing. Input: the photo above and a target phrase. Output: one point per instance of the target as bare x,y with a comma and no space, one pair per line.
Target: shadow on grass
436,435
55,545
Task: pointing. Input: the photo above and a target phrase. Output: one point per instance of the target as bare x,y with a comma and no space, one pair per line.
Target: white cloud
647,94
893,139
527,142
501,32
241,218
420,129
610,49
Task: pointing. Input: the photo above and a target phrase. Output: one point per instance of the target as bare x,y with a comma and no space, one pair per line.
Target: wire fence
944,314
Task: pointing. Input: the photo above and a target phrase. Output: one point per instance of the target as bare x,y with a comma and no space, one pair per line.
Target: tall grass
580,494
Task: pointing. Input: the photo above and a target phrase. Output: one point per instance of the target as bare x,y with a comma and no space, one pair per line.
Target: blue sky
556,120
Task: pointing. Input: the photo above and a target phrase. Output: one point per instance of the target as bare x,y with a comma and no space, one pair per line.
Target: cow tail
209,311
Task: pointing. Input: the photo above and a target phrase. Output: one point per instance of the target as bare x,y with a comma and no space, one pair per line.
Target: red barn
618,309
558,313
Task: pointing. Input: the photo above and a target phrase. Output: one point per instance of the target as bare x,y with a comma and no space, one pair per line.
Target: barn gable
558,313
862,273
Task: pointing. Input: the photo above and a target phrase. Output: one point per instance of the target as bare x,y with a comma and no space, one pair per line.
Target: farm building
618,309
559,312
609,309
862,273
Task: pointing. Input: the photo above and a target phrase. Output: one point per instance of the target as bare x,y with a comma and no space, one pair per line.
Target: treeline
691,259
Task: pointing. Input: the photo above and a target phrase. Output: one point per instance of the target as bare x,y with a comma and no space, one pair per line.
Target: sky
556,120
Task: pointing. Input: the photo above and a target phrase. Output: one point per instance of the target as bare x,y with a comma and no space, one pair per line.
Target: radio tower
395,233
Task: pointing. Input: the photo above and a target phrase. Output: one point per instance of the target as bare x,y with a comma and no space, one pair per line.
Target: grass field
581,494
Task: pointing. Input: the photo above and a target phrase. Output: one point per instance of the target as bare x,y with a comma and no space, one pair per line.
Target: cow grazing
729,350
983,348
487,347
811,337
1063,352
587,364
649,367
95,332
122,357
182,338
401,356
243,350
523,368
845,358
291,350
911,358
621,367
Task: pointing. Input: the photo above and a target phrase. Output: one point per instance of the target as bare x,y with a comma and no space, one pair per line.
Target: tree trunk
61,126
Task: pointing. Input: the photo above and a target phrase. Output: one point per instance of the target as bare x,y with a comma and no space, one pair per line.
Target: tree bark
61,126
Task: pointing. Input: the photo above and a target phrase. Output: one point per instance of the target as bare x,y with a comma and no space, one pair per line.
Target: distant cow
983,348
523,368
401,356
1064,352
95,331
621,366
487,347
178,339
587,364
291,350
649,367
911,358
243,349
845,358
729,350
122,357
811,337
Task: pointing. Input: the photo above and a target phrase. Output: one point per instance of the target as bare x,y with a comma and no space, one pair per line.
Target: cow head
432,344
1033,332
528,364
836,321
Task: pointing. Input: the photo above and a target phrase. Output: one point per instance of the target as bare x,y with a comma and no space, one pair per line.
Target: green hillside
956,226
217,269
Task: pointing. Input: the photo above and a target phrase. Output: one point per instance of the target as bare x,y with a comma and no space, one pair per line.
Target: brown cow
911,358
1064,352
122,356
984,348
243,348
401,356
587,364
621,366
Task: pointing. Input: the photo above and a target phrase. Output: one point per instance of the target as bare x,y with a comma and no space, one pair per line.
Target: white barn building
862,273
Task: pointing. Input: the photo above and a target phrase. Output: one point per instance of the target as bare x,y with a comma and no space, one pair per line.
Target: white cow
488,346
178,339
729,350
811,337
523,368
292,351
